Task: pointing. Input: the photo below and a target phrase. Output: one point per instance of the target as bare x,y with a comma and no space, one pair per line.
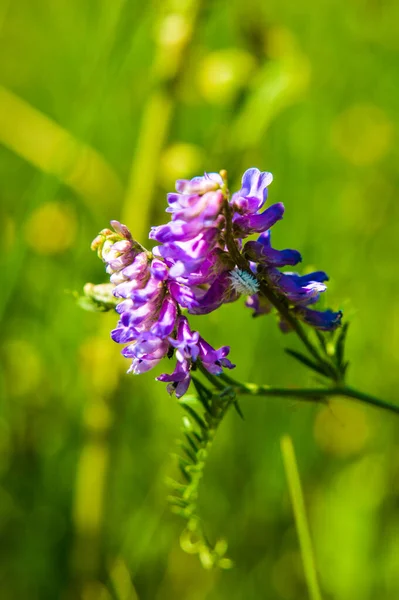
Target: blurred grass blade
175,29
298,504
143,175
122,585
279,84
307,362
52,149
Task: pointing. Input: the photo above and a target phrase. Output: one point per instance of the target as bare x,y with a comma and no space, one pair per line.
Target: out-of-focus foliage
102,106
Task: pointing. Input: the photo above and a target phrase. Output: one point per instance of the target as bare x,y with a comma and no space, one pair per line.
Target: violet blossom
202,261
149,307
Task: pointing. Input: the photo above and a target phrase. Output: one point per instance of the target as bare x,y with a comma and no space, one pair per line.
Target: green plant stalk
302,525
192,463
309,394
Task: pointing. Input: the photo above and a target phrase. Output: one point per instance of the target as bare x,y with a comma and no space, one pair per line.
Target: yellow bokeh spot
98,417
223,73
90,486
23,367
51,228
342,429
180,161
362,134
174,30
101,363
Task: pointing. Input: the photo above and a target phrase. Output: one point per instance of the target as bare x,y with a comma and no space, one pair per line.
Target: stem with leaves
325,356
199,429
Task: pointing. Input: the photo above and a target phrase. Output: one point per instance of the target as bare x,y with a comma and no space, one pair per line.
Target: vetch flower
201,262
302,290
253,193
326,320
262,253
194,230
249,200
116,248
146,352
190,347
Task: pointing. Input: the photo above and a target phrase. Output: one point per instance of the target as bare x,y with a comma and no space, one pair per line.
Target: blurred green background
103,104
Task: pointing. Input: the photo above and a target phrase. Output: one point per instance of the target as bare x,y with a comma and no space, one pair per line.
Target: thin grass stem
301,521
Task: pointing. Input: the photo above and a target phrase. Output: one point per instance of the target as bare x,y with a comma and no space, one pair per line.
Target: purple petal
199,185
183,295
214,360
315,276
267,219
131,321
186,342
179,380
122,230
137,273
142,365
166,320
291,286
148,346
221,291
203,209
159,270
254,189
153,292
327,320
175,231
263,254
189,256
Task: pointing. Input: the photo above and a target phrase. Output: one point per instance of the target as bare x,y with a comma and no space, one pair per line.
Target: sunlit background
102,106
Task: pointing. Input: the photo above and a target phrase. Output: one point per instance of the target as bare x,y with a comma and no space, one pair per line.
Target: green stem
349,392
312,394
301,520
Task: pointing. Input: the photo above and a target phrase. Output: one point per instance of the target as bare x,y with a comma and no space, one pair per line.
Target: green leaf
199,439
195,416
238,409
190,440
340,345
183,464
321,339
204,395
176,486
322,368
190,454
178,501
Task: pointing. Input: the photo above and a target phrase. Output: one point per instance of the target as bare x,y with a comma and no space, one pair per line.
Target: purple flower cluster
198,266
151,323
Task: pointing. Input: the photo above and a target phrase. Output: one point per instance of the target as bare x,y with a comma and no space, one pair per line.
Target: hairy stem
310,394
